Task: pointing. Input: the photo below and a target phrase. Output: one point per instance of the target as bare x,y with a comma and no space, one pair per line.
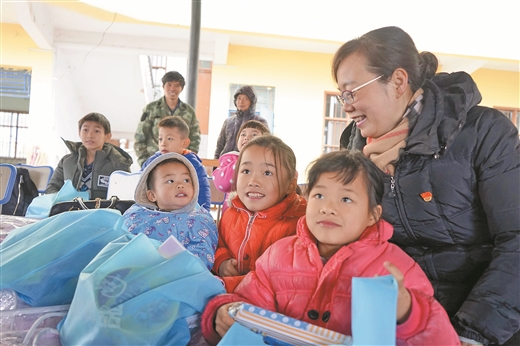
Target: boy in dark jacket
90,162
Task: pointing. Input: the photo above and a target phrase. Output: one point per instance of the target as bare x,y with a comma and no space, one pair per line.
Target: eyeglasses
347,96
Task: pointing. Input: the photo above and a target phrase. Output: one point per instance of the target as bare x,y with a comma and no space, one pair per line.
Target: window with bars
13,134
512,114
15,93
335,121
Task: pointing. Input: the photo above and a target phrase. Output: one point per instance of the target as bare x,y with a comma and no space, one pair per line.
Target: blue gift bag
131,295
374,306
42,261
40,206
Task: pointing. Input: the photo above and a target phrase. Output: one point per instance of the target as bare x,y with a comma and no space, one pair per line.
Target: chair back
217,198
122,184
7,179
40,175
209,164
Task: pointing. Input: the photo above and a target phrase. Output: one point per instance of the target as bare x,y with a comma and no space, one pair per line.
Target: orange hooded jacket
245,235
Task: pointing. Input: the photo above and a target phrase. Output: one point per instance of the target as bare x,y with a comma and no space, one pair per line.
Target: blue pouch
40,206
42,261
131,295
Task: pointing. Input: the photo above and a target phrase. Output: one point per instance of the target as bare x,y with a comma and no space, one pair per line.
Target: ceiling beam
34,19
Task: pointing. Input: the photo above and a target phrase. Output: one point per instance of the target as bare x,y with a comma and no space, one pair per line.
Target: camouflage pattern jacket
147,131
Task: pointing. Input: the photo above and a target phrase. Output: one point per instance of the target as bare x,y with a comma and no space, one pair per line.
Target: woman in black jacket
452,186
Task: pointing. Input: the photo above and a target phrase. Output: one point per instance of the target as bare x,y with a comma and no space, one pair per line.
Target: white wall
115,89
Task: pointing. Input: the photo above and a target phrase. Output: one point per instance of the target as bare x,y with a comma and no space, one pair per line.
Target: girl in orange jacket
266,208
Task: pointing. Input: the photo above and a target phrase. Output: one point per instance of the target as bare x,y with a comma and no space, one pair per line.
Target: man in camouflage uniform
147,131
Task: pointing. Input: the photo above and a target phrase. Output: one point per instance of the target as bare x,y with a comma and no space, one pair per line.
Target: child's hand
404,300
222,320
228,268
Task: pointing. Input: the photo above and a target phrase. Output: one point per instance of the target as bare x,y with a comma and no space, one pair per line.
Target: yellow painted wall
18,50
498,88
300,80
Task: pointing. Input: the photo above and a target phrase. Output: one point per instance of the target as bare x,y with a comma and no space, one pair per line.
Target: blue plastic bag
131,295
42,261
40,206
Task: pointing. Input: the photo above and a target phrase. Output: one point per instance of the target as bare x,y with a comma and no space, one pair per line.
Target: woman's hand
404,299
222,320
228,268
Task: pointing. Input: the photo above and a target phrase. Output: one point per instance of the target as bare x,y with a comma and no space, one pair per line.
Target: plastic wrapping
31,326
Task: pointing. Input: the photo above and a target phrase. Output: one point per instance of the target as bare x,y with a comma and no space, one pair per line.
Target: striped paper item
273,325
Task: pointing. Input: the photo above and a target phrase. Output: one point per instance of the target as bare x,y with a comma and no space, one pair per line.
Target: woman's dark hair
348,165
387,49
283,155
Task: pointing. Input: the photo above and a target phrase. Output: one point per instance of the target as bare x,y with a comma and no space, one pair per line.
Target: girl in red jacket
265,209
308,276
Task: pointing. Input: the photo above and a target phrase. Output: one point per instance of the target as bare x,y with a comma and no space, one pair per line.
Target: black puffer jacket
227,140
466,238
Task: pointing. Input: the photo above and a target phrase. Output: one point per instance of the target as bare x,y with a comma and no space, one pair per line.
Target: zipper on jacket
19,194
394,193
241,249
392,187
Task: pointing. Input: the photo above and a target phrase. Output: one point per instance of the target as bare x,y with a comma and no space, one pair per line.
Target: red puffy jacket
245,236
290,278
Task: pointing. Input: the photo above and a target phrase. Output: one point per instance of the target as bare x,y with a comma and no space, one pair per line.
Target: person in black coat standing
245,101
452,182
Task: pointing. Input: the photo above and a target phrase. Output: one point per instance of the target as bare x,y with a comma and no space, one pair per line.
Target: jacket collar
376,234
291,206
162,103
248,113
78,148
448,99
